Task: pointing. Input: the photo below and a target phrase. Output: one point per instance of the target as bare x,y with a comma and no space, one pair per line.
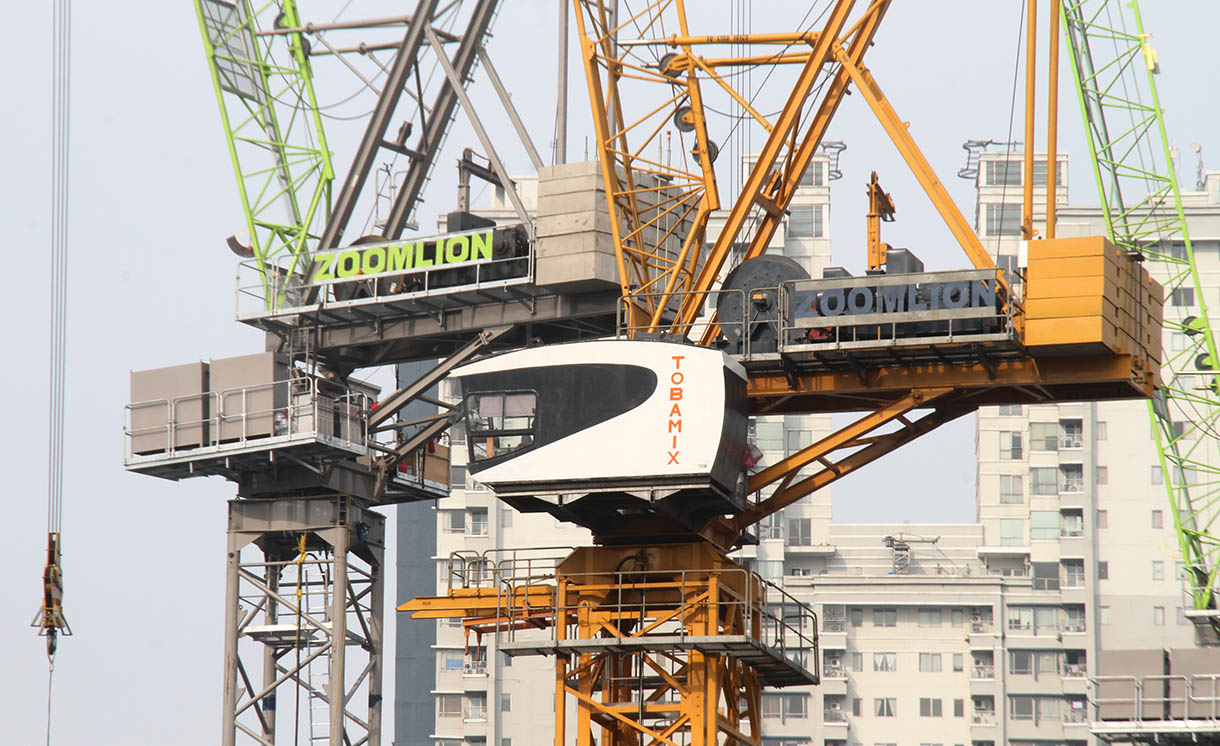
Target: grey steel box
178,393
1145,666
1201,668
251,390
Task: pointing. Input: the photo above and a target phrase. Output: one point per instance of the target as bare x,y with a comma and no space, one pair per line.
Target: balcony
834,716
983,671
983,717
1071,533
1074,715
1074,626
475,668
1075,671
834,671
980,627
1071,486
1067,442
834,625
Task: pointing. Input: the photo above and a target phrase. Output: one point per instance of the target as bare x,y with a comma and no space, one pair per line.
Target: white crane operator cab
594,432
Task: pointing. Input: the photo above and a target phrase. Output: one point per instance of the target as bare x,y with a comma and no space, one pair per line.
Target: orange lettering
675,410
675,425
678,361
673,458
675,394
677,378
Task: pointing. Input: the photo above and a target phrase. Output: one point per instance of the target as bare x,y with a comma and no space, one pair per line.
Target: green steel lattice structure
1114,68
264,87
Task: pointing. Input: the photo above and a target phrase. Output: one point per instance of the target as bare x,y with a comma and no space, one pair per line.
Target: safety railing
633,320
983,717
493,568
1075,670
983,671
668,603
833,671
265,288
243,416
834,716
854,312
1156,698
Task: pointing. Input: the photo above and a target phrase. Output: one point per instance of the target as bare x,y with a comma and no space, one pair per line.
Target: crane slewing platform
656,633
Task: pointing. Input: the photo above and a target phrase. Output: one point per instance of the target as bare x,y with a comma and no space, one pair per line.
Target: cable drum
749,319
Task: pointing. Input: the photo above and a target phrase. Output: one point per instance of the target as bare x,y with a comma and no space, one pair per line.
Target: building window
796,440
1073,573
929,662
1021,707
1043,436
1103,519
1157,476
885,662
506,702
478,522
785,706
857,706
1020,662
1071,478
799,532
929,617
1103,614
1012,532
1020,618
1158,570
857,617
1010,410
813,175
1045,576
1043,524
1071,434
1011,491
1099,430
885,617
1011,446
1183,297
455,521
452,661
1158,519
1075,619
499,423
855,662
1071,523
957,617
805,221
834,618
1158,616
929,707
1103,475
1044,480
885,707
1103,570
449,705
1002,220
958,663
457,476
506,516
959,708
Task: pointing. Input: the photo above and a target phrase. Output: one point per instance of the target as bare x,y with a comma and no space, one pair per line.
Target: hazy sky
152,284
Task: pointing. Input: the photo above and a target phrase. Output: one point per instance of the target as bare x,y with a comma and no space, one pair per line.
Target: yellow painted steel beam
896,128
845,437
1031,84
760,174
865,29
836,470
1052,121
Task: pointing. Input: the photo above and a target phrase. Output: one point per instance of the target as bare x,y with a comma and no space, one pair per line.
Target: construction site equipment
1114,67
539,422
659,635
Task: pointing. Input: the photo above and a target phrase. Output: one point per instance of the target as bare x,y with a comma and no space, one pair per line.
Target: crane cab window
499,422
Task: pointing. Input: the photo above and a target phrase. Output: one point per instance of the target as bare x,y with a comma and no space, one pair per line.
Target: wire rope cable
60,130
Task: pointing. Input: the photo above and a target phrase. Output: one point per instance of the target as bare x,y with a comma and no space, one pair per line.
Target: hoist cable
50,618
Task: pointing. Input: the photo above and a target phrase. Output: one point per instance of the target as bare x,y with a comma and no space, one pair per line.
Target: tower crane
618,325
656,633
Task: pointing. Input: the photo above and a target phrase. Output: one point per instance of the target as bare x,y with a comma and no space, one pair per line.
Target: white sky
151,284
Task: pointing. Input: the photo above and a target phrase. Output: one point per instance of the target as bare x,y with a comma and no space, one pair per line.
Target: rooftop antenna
1200,181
